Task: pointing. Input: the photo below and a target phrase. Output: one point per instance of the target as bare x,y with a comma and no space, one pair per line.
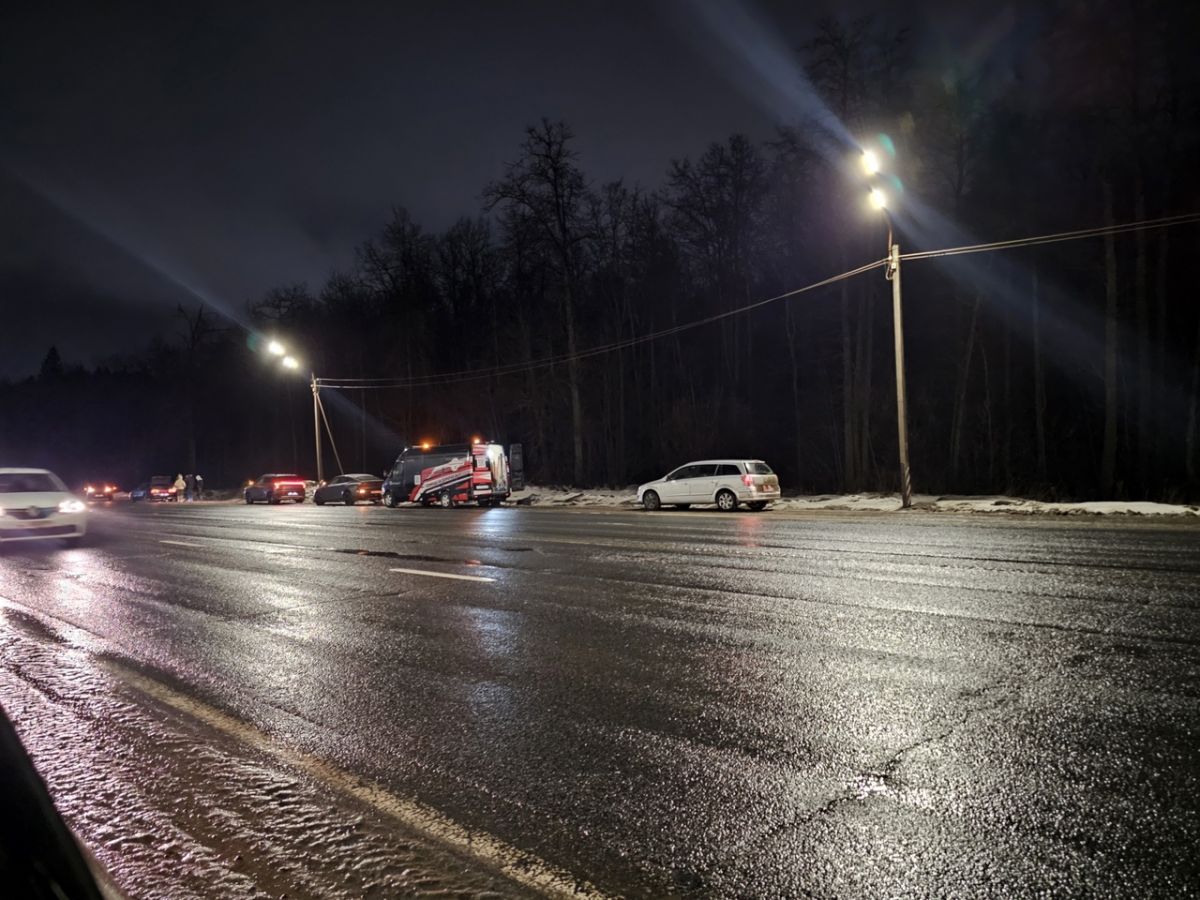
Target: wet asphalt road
744,705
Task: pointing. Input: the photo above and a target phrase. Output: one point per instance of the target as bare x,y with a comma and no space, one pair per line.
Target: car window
759,468
676,475
727,469
29,482
341,479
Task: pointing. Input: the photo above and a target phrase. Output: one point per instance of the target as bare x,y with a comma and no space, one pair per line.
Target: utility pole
893,275
317,429
871,165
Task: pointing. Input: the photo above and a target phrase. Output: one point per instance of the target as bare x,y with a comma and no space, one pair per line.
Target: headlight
71,506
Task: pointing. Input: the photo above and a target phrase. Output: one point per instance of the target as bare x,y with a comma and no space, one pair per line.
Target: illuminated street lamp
276,349
290,362
878,199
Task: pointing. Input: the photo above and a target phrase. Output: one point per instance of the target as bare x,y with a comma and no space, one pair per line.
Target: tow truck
451,475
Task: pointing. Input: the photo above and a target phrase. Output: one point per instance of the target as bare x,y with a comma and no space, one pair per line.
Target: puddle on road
427,557
418,557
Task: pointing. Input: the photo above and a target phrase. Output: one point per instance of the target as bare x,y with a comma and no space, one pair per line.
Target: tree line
1069,369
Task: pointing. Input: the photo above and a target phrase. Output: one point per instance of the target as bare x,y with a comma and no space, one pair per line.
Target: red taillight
748,480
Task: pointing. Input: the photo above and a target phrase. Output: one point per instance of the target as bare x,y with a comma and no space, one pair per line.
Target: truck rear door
516,467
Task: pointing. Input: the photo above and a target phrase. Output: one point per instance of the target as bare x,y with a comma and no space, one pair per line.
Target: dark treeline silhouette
1068,369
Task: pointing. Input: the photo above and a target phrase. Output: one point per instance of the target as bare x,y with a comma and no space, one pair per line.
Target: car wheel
348,498
727,501
247,496
272,499
651,501
757,505
389,500
683,506
446,499
317,500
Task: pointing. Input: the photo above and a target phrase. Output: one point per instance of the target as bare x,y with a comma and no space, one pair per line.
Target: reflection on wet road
509,702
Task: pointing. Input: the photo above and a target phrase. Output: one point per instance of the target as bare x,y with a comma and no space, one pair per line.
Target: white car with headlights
725,482
36,505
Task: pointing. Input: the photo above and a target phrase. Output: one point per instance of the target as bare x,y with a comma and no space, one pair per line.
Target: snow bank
564,496
1094,508
627,497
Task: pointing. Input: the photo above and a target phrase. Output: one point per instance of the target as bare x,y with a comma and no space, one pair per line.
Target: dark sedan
159,487
99,490
349,489
275,488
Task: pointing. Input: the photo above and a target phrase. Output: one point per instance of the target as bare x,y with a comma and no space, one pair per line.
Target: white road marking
443,575
179,543
523,868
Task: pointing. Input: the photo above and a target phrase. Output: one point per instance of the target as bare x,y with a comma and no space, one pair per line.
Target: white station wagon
36,505
725,482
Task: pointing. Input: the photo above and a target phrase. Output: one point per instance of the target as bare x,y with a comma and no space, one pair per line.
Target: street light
290,362
878,199
276,349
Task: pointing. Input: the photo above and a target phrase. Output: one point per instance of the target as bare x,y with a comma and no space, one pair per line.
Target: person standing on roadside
180,486
191,487
199,486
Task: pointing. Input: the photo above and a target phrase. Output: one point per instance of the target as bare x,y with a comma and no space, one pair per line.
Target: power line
462,375
1145,225
515,368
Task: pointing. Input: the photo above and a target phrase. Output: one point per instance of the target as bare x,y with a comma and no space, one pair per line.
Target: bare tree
547,188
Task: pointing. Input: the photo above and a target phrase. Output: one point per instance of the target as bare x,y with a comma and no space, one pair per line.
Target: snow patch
868,502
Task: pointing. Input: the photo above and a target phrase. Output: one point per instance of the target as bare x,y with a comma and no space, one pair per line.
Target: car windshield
162,481
29,483
759,468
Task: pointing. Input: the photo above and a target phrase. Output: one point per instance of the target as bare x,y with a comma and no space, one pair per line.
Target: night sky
149,157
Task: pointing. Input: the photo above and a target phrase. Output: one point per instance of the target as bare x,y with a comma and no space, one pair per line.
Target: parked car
99,490
349,489
35,504
159,487
725,482
275,488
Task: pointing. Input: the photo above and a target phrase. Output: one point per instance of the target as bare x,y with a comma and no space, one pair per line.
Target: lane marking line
444,575
524,868
179,543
